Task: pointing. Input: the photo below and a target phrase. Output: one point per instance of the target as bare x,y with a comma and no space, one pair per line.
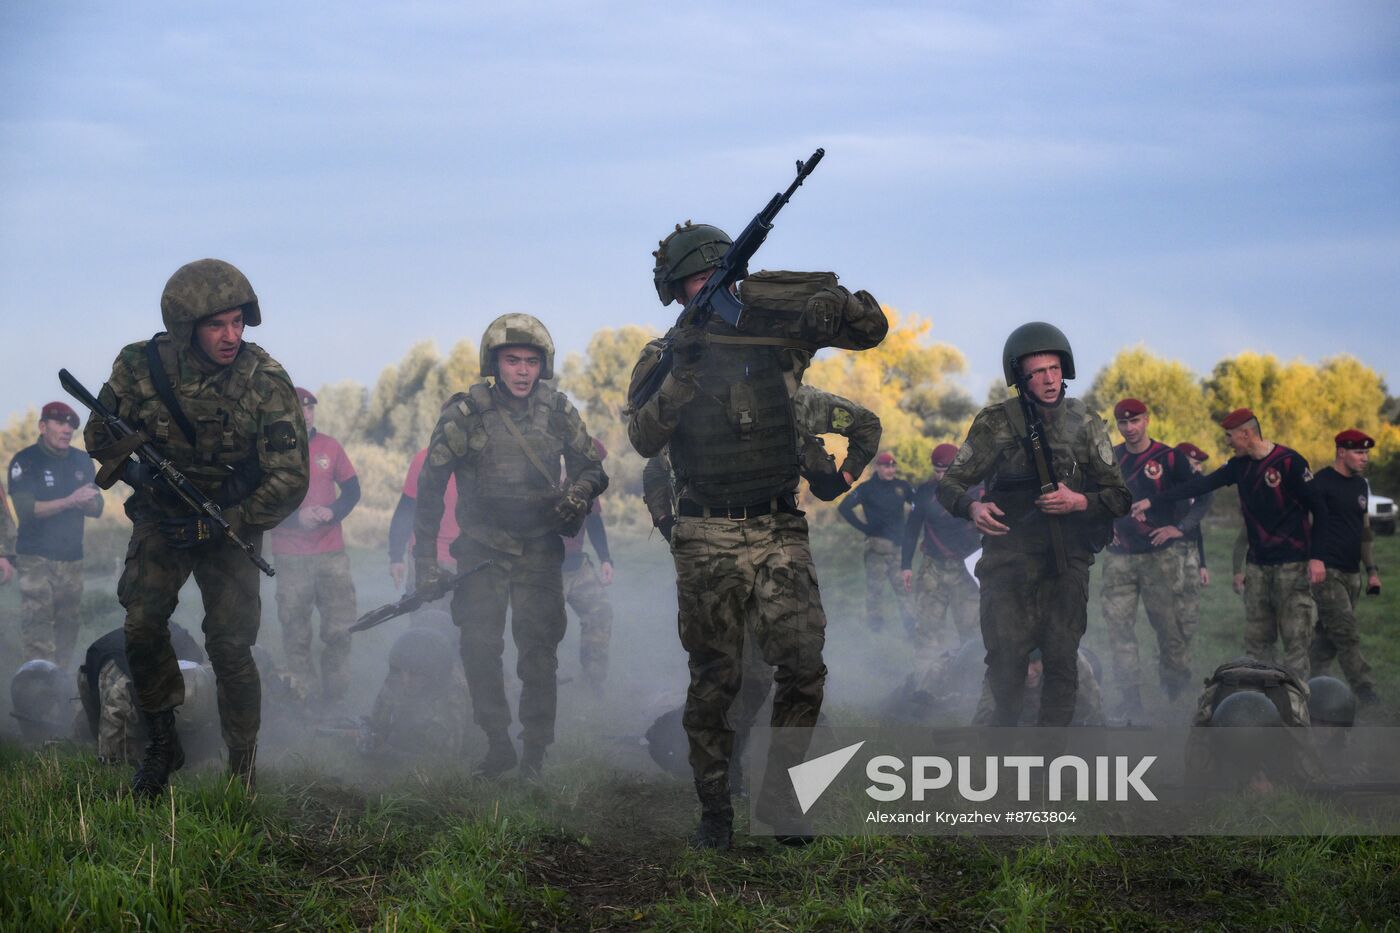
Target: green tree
1173,395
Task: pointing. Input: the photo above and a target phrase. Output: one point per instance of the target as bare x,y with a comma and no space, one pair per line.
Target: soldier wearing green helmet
225,414
504,441
727,412
1027,601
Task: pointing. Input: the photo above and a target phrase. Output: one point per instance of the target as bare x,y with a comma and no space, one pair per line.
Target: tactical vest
510,492
222,407
737,441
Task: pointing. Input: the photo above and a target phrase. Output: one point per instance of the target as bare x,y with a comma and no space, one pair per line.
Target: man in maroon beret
883,499
1197,573
51,485
1147,559
1346,549
1284,560
944,587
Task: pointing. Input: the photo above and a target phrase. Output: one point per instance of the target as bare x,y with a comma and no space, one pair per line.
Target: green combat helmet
1330,702
516,330
1036,337
1246,708
688,249
201,288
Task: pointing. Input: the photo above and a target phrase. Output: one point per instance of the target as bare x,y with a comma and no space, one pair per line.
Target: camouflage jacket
249,453
993,453
7,527
818,412
467,433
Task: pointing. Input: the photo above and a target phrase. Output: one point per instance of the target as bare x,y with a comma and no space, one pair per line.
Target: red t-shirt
329,466
448,530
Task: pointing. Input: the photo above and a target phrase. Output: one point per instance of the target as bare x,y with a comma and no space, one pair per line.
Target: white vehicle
1381,511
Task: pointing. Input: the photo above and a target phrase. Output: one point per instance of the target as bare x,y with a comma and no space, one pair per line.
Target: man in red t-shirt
401,525
313,569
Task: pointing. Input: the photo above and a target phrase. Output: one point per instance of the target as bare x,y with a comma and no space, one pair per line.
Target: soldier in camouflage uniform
585,593
1026,603
7,540
504,443
943,587
233,426
740,543
421,709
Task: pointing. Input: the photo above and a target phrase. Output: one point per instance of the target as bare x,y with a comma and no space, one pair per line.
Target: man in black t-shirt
51,485
1285,560
1197,573
944,585
883,498
1346,547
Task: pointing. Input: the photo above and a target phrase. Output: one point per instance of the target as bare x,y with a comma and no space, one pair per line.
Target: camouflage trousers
1159,579
529,585
1189,607
1279,604
943,587
585,595
51,596
149,590
118,733
1027,605
1336,635
756,575
882,570
321,582
1088,701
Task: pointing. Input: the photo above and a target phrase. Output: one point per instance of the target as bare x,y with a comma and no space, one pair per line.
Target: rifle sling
742,341
529,451
161,379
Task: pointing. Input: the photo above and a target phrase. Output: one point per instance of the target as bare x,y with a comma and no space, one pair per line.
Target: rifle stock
1042,458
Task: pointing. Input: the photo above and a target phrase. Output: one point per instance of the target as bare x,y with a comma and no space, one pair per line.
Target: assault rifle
715,298
414,600
1042,458
146,452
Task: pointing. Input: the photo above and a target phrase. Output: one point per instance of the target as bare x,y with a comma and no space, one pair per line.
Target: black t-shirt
36,475
1147,474
945,536
1347,498
1276,495
883,502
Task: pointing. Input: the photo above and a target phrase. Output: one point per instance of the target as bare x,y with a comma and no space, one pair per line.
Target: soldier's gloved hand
137,475
666,526
687,349
827,485
426,573
570,511
186,532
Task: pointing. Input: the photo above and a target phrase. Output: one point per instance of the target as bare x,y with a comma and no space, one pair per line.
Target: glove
827,486
687,349
136,474
426,572
186,532
570,511
666,526
819,468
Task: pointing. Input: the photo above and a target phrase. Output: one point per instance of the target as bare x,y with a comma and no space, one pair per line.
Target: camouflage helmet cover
688,249
1036,337
204,287
516,330
1246,708
1330,702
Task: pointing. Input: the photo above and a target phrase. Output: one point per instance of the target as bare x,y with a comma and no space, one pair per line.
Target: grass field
601,843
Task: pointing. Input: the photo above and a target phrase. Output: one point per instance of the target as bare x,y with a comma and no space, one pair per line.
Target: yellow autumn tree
1173,394
597,382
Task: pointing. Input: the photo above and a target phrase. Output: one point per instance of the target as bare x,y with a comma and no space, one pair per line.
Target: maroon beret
59,411
1127,408
1236,418
884,458
1192,451
1352,439
305,396
943,455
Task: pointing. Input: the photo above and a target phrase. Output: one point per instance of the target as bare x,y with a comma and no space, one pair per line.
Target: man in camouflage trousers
740,542
7,540
224,413
313,570
1148,560
943,587
504,443
1027,602
585,593
884,499
1197,570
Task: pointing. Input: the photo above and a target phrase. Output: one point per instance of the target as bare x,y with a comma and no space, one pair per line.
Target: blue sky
1204,178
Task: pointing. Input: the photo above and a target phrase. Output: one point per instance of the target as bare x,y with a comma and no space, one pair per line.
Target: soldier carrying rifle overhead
1053,490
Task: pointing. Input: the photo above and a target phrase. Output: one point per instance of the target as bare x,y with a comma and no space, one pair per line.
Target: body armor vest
1015,485
737,441
220,407
510,491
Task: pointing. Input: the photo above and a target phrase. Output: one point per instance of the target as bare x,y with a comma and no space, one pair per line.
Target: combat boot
243,766
716,829
163,755
500,756
532,763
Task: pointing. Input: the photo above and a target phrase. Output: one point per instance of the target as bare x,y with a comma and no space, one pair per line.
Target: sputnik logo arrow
811,778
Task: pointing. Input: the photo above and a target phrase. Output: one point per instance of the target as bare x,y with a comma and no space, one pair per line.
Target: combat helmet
38,700
511,330
201,707
1246,708
1036,337
422,655
688,249
1330,702
201,288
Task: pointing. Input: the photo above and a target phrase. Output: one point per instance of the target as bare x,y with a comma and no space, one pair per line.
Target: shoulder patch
965,453
841,418
1105,449
16,471
280,436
